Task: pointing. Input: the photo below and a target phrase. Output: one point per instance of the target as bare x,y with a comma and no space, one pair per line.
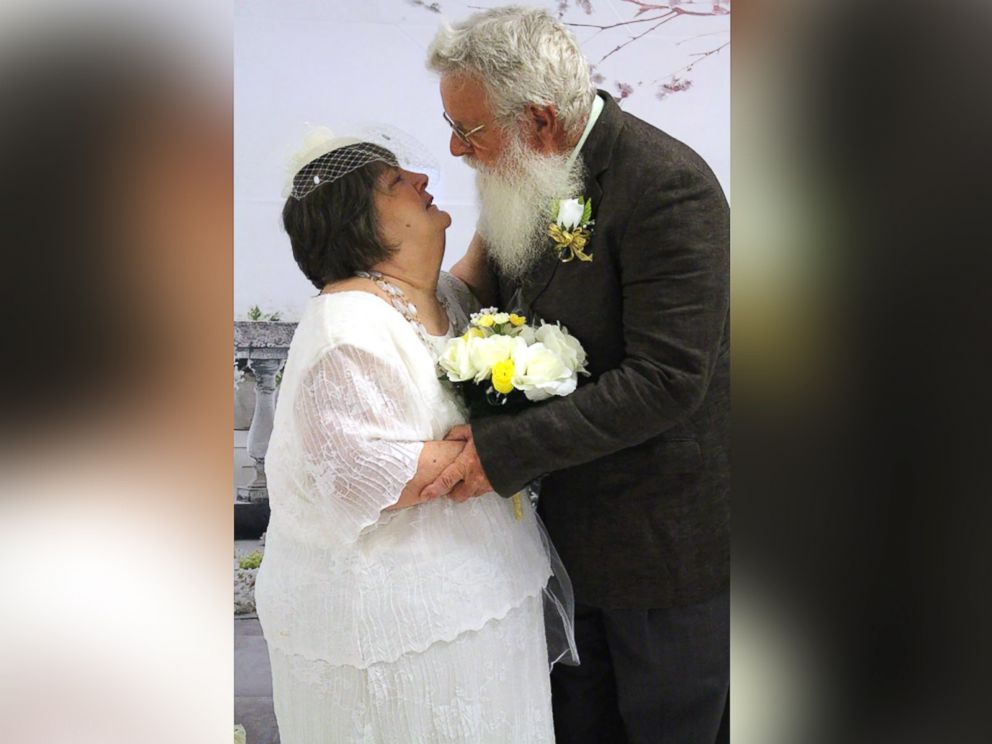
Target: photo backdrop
342,64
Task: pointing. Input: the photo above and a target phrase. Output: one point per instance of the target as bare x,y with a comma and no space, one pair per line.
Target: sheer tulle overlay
422,624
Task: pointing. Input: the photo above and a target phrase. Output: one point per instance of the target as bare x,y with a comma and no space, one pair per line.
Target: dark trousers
646,676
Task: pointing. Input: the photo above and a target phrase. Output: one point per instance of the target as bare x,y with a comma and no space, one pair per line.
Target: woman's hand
434,458
464,478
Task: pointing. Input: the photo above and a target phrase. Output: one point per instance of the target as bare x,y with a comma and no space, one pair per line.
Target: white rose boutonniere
570,213
572,229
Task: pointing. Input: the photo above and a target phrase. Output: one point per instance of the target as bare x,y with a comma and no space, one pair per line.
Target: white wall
344,63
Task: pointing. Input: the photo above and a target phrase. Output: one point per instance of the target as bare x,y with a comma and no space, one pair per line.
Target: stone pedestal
264,344
265,371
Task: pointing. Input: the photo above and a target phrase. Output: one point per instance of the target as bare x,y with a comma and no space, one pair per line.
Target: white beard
515,197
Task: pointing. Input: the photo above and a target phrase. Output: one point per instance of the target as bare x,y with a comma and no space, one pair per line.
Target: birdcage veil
325,157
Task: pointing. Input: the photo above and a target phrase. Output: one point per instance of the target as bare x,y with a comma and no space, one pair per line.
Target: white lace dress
415,625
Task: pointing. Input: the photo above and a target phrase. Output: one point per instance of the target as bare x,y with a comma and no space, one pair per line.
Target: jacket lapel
537,280
596,153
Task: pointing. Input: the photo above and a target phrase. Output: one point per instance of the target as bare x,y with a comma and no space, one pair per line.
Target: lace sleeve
360,445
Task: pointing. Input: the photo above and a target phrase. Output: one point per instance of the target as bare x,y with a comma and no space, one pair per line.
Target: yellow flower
473,333
571,245
561,237
503,373
486,321
517,320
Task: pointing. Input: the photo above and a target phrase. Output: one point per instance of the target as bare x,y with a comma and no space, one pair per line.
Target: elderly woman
388,619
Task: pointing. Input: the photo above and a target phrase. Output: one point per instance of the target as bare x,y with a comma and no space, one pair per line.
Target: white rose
540,373
564,345
485,352
570,213
527,333
456,360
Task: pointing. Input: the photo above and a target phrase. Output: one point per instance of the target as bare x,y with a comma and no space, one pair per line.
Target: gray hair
520,56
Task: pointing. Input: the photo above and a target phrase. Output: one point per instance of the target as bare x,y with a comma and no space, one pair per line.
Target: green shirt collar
597,109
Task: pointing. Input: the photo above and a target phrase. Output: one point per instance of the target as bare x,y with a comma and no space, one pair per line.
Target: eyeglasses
462,135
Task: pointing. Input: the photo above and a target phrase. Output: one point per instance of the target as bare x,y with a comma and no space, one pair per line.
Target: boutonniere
572,229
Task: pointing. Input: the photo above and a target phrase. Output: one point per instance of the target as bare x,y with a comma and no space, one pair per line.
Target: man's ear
545,128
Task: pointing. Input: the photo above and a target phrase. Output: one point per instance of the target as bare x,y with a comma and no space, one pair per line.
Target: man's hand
464,478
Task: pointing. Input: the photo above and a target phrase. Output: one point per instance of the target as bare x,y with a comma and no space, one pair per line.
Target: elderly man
634,463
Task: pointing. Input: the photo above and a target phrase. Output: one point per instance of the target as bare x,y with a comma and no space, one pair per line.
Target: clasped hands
464,477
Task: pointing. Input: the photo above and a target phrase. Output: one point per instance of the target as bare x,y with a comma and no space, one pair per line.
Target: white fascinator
325,157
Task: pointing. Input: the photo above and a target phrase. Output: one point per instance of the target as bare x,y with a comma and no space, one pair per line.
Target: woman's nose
419,180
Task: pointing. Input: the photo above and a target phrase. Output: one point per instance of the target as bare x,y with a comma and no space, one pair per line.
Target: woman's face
407,215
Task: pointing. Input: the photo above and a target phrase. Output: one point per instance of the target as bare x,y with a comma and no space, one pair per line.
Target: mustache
476,165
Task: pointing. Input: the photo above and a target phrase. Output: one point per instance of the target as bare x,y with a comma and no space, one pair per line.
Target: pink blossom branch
432,7
664,19
669,10
684,84
699,36
615,25
702,56
672,7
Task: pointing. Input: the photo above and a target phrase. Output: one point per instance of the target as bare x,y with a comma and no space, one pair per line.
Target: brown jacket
635,493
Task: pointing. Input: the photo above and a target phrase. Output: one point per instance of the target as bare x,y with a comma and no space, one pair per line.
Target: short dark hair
333,229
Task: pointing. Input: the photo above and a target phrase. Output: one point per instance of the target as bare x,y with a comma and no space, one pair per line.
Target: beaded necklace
406,308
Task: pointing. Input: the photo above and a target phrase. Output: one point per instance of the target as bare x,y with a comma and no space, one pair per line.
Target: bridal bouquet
501,359
505,357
